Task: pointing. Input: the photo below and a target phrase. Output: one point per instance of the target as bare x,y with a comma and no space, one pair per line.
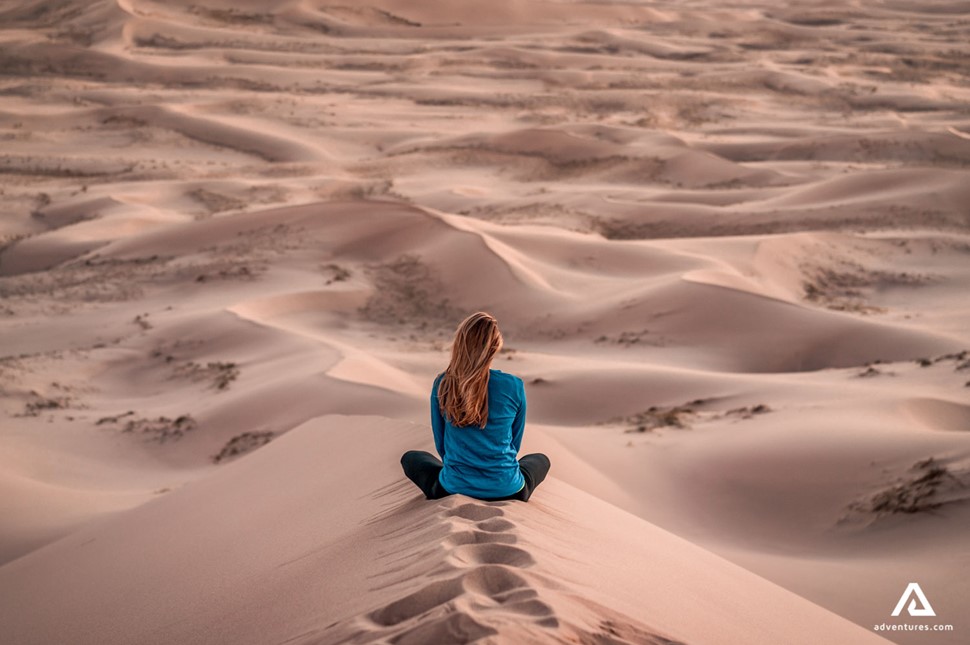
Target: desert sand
728,246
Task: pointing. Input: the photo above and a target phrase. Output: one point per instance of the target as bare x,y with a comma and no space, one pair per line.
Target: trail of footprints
481,569
481,587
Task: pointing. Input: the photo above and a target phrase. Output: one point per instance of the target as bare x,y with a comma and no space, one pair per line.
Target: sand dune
414,572
727,246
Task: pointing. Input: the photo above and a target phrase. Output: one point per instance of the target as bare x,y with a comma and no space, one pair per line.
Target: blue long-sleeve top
481,462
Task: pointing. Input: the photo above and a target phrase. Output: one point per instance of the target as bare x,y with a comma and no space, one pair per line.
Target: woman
477,418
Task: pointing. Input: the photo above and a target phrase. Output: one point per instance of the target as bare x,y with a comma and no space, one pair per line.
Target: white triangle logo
912,589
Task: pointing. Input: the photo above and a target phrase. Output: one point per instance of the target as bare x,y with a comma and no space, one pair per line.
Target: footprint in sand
490,553
421,601
493,581
453,628
510,592
495,525
475,512
478,537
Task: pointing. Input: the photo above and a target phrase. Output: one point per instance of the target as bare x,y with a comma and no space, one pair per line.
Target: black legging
422,468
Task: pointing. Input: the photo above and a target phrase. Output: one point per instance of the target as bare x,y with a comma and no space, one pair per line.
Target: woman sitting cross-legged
477,418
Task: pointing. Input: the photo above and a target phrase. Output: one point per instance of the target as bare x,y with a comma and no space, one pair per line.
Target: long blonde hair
463,390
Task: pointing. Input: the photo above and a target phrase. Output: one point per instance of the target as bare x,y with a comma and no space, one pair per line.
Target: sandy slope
301,544
728,246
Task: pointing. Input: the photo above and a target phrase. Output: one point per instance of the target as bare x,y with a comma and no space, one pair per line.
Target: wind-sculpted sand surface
728,246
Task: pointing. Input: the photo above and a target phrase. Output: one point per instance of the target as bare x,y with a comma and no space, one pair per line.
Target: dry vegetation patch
683,416
93,279
406,292
160,429
335,273
39,403
243,443
631,339
846,287
927,485
220,374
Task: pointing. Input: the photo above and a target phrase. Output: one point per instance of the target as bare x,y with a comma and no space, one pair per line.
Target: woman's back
481,462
